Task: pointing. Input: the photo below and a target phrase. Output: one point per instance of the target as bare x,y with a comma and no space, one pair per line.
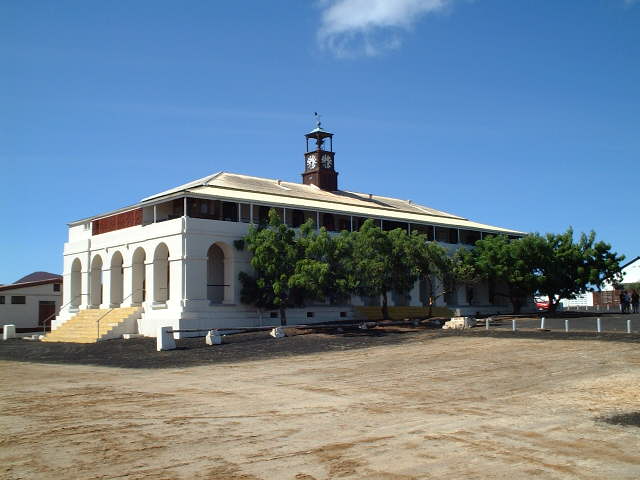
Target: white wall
632,272
26,316
188,241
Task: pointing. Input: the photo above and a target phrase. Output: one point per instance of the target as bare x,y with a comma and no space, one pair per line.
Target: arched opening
75,281
138,276
215,274
117,280
161,280
95,282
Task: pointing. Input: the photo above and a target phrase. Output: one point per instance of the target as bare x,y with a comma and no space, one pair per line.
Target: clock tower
319,167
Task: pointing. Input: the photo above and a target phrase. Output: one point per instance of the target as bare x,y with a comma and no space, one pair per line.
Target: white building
630,273
173,253
608,296
30,301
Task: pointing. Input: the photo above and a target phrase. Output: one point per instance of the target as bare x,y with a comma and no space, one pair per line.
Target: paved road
610,323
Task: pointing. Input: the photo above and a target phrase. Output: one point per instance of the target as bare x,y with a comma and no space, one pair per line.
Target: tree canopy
275,255
294,267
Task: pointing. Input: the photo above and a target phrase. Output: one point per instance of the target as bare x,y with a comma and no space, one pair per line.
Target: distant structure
172,254
609,296
31,301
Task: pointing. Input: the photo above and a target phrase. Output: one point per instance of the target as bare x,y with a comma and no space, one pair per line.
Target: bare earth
447,407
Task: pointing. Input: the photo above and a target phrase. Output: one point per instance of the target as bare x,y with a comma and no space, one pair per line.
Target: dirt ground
417,406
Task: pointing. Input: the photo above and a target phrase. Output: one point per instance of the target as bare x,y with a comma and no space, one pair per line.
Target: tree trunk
430,296
283,316
552,305
517,304
385,307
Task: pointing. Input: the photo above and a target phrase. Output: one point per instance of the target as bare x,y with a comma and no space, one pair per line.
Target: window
245,212
388,225
18,300
56,287
310,315
229,211
297,218
327,221
469,237
262,216
1,299
343,314
446,235
273,315
423,229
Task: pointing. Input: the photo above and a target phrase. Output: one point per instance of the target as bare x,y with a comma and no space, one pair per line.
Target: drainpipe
88,274
184,253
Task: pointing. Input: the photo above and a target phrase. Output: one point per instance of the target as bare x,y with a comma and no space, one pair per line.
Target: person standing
635,301
623,301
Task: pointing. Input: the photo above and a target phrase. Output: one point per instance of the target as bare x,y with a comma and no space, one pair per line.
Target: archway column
229,277
127,285
85,288
175,281
195,289
149,282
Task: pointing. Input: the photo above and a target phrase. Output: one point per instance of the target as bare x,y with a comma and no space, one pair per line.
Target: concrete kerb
166,339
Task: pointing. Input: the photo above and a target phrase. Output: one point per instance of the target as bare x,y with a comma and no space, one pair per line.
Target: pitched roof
39,277
32,280
245,188
246,183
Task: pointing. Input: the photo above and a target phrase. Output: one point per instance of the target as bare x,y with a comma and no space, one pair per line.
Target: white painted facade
630,273
26,315
184,271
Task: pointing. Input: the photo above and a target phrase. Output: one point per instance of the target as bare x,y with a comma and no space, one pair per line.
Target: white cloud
370,27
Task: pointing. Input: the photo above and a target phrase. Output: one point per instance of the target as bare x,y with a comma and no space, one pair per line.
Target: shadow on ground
141,352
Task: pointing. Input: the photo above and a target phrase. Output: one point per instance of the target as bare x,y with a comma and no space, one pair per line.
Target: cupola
319,165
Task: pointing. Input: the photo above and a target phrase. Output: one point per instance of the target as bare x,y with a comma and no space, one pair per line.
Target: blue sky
509,112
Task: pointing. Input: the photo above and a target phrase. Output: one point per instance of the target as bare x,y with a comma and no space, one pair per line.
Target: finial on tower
318,122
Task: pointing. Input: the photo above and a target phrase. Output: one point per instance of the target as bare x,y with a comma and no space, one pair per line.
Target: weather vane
318,122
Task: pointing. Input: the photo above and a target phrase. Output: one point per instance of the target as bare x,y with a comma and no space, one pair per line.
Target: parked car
542,304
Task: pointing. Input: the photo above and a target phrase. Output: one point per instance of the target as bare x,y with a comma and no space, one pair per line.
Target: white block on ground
165,340
213,338
278,332
459,323
8,331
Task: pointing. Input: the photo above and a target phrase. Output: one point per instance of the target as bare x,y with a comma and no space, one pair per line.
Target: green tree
275,256
566,268
382,262
505,264
432,264
324,269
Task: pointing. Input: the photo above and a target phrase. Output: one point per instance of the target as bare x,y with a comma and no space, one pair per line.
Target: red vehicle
542,305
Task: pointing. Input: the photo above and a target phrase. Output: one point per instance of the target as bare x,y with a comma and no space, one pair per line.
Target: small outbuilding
31,301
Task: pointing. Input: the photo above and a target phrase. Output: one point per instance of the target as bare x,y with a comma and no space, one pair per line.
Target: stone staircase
83,327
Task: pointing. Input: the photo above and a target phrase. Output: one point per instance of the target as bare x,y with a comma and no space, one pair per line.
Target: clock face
327,161
312,161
